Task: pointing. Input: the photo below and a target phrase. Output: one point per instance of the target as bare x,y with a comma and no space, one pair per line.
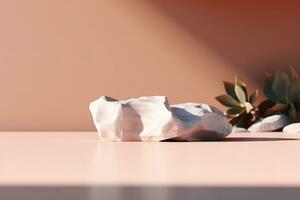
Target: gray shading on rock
271,123
153,119
201,122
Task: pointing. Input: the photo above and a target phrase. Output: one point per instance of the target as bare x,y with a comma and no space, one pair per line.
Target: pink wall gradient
56,56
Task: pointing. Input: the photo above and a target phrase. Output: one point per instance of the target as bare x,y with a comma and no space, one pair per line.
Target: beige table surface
76,165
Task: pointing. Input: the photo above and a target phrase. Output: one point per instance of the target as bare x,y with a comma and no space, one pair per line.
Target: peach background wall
58,55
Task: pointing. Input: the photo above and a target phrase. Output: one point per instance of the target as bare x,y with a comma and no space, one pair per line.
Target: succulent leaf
242,84
248,107
253,97
277,108
280,86
241,111
234,120
268,91
238,81
297,119
240,93
234,112
297,103
294,73
243,120
292,111
229,88
264,106
228,100
294,90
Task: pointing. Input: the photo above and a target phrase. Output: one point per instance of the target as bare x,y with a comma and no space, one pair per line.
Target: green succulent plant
283,94
241,109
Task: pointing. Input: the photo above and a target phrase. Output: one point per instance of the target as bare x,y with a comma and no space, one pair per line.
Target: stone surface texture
239,130
153,119
271,123
292,128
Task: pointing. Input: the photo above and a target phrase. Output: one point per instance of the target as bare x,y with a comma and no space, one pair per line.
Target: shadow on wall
254,36
56,57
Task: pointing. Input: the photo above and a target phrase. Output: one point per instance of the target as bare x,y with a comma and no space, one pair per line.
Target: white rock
292,128
201,122
236,129
144,118
271,123
152,119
